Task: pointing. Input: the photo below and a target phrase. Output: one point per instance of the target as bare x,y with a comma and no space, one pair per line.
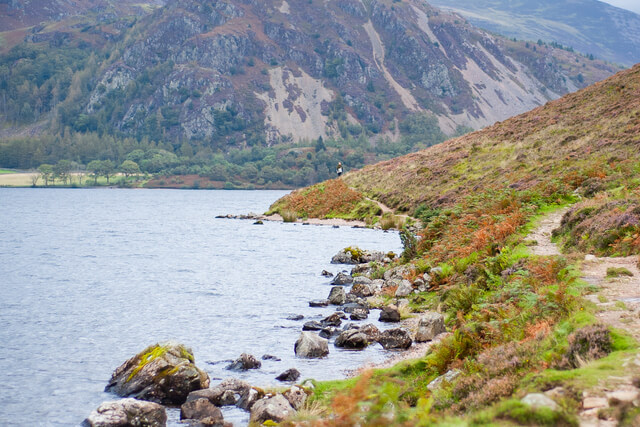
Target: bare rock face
162,373
275,408
311,346
127,412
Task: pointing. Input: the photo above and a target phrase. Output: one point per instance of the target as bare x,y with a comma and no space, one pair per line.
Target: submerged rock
163,373
244,363
127,412
311,346
289,375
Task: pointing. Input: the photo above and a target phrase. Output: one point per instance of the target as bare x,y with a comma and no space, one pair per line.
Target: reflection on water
88,278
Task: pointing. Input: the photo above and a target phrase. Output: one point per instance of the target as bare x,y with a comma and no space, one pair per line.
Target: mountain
589,26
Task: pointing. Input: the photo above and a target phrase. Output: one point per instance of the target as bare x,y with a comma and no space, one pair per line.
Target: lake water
88,278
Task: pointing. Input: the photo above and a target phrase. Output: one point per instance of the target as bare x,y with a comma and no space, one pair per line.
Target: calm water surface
88,278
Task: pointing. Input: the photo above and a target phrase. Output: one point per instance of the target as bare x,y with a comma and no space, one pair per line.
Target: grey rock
151,382
377,285
446,377
371,331
289,375
337,296
362,290
342,279
247,401
244,363
319,303
228,392
201,409
275,408
539,400
359,314
270,357
404,289
431,324
334,319
395,339
326,273
361,280
353,339
296,317
296,397
436,271
312,325
390,314
311,346
127,412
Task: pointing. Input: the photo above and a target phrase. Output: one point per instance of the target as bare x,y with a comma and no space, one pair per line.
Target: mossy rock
162,373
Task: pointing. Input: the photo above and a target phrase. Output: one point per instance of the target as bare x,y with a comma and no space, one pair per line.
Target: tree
62,170
34,179
108,168
129,167
47,173
94,167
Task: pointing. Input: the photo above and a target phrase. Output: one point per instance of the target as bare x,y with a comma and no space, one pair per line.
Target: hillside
542,331
589,26
200,80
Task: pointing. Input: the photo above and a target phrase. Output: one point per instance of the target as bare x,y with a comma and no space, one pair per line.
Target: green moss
617,272
148,355
522,414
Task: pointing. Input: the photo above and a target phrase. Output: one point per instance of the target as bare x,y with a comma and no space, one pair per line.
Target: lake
90,277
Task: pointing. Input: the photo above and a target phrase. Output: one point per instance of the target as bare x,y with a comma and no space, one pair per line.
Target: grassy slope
512,314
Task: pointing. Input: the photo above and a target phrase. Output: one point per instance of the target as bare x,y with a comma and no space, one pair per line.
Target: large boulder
342,279
431,325
352,339
390,314
127,412
362,290
337,296
162,373
202,410
296,397
395,339
244,363
275,408
311,346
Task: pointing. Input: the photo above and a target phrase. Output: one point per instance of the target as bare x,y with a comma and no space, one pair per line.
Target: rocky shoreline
166,374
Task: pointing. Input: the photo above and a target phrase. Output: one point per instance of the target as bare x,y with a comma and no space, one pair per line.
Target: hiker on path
339,168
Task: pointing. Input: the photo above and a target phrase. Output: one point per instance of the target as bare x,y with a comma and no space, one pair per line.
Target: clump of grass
388,222
289,215
613,272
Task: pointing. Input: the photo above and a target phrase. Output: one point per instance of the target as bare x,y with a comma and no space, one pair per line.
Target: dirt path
618,302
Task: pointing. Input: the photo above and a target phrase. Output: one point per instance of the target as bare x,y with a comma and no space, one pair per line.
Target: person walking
339,168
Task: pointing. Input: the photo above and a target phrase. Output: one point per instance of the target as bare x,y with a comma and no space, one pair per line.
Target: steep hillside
536,336
590,26
591,136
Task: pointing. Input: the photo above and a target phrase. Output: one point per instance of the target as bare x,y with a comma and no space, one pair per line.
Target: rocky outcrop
229,392
275,408
127,412
357,256
311,346
163,373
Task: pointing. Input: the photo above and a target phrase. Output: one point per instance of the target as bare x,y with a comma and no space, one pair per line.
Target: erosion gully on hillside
618,302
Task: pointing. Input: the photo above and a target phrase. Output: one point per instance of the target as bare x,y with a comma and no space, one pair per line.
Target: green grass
617,272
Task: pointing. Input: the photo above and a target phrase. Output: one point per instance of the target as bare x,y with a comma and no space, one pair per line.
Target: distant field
12,179
4,171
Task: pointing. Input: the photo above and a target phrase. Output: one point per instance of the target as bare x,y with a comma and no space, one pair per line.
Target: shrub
289,215
586,344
